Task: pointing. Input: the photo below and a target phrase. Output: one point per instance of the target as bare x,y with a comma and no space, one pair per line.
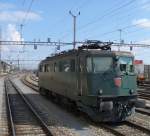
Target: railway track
34,78
124,127
23,118
144,95
29,83
145,111
144,92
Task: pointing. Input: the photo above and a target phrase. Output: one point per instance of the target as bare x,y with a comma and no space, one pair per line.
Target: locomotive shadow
55,115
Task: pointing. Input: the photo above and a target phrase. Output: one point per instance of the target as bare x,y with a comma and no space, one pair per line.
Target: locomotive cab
115,73
111,84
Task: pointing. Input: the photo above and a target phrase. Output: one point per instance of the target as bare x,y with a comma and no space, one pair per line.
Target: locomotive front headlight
131,91
100,91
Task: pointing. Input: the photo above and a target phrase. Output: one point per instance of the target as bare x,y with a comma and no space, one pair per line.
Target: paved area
3,116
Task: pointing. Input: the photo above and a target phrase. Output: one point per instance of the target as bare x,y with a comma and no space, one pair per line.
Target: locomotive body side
100,83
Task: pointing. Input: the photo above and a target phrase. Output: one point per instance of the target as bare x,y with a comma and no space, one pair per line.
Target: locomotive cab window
126,64
99,64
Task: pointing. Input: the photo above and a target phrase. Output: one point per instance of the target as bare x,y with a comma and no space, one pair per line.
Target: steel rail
144,97
143,111
29,84
43,124
33,78
145,130
32,83
111,129
12,127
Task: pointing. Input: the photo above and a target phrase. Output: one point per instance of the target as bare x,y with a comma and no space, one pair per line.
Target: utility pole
21,31
120,32
18,63
74,27
21,35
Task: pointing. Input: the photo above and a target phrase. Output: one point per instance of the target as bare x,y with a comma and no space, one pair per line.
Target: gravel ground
129,131
60,121
3,116
24,120
141,119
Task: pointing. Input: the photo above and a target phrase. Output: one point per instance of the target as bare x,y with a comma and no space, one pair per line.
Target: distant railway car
98,81
139,70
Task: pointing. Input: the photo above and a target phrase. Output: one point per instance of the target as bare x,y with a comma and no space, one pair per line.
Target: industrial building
4,67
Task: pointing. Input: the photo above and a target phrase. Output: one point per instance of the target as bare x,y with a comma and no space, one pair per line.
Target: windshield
98,64
126,64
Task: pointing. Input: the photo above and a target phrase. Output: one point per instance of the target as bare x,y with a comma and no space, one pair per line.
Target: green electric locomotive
98,81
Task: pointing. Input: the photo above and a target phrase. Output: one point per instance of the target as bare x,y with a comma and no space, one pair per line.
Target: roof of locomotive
88,52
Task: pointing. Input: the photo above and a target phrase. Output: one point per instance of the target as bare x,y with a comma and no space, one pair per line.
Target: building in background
4,67
139,70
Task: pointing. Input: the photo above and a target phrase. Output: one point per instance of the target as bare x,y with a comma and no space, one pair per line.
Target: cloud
5,6
15,16
12,34
143,23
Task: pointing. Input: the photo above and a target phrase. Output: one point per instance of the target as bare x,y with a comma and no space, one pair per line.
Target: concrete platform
3,116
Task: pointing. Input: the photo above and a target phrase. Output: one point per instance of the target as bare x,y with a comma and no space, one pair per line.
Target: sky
98,20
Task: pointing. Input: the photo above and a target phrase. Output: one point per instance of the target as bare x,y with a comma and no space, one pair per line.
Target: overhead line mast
74,27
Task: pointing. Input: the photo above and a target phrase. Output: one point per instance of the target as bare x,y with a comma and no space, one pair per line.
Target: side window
72,62
40,68
56,67
47,68
89,64
60,66
67,66
43,68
